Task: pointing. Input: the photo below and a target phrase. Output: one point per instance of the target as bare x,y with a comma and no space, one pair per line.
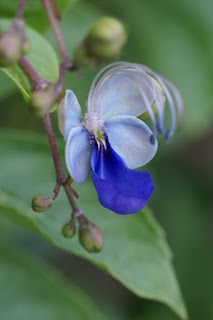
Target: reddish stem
57,33
60,175
40,83
20,9
37,81
56,159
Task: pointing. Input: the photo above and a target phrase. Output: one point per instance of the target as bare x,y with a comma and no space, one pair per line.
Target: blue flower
112,140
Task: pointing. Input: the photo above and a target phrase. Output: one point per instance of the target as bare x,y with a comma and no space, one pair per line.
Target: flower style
112,140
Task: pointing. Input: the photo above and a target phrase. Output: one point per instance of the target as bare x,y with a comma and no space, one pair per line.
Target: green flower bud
68,231
106,38
10,48
41,203
90,236
42,100
104,41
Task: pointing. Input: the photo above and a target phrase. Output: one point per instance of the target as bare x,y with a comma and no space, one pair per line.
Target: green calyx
90,236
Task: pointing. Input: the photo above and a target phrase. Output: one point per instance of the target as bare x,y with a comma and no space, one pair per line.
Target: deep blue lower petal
119,188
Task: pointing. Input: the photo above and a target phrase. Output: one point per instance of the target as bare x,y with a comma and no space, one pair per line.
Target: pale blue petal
69,113
78,153
126,94
132,139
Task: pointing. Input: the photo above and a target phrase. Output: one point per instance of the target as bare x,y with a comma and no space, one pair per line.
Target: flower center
99,137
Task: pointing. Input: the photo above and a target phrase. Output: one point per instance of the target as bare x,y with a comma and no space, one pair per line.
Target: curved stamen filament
93,93
138,74
169,97
149,83
158,99
178,98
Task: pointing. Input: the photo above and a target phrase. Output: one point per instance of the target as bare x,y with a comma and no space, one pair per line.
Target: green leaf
76,25
32,290
135,250
42,57
6,86
34,13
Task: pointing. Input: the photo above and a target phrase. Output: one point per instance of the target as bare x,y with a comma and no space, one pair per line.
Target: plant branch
61,177
20,9
58,36
37,81
56,159
40,83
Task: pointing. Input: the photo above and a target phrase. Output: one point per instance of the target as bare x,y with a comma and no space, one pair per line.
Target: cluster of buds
104,41
13,43
90,236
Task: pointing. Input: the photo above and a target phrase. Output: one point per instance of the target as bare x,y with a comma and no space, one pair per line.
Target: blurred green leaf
42,57
34,13
68,266
76,24
135,250
7,87
31,290
185,180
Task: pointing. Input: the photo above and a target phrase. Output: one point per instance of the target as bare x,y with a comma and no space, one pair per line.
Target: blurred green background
176,40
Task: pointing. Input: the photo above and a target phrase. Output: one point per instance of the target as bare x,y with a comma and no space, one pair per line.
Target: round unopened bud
106,38
90,236
68,231
10,48
41,203
42,100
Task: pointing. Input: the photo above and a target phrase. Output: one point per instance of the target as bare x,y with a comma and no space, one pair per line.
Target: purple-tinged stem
71,199
55,154
58,35
20,9
60,175
40,83
37,81
63,70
